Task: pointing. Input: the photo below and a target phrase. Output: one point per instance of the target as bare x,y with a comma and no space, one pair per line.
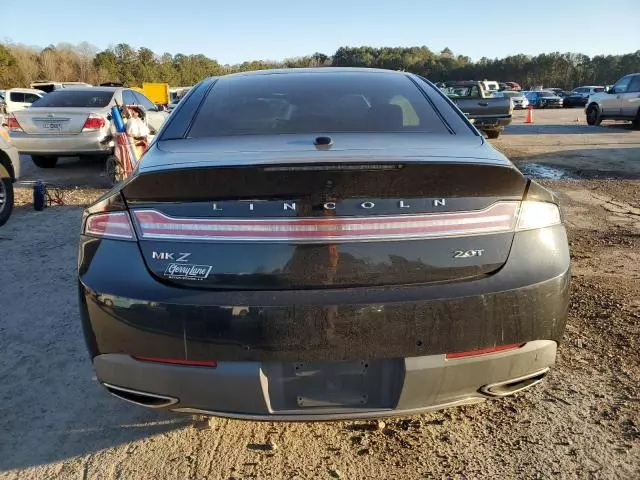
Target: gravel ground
583,421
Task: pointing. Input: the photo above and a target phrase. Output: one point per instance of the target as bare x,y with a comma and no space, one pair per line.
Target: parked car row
579,96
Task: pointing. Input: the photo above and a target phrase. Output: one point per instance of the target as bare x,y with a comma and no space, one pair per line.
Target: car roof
291,71
90,89
25,90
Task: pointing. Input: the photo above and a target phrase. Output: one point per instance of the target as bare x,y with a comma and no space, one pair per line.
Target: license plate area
54,125
334,385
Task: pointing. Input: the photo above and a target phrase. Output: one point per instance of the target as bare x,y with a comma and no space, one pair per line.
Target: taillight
538,215
94,122
109,225
12,124
500,217
484,351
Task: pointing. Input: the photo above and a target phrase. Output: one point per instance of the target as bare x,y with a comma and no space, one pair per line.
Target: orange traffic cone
529,118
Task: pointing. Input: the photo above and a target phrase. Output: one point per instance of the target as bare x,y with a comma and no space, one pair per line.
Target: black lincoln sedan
321,244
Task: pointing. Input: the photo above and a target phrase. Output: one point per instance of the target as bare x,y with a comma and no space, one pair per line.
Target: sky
241,30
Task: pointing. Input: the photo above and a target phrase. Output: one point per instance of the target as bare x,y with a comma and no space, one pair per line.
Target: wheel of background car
593,115
44,161
6,200
636,121
114,170
493,133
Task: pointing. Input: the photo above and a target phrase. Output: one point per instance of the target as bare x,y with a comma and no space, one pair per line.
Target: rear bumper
574,102
126,310
492,123
87,143
268,391
388,343
550,105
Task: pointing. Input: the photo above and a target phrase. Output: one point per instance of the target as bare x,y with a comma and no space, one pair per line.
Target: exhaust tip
514,385
144,399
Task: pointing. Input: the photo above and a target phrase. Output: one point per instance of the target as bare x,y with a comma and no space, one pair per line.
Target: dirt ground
583,421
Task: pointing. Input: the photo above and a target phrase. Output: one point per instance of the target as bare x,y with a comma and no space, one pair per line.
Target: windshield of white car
75,99
315,103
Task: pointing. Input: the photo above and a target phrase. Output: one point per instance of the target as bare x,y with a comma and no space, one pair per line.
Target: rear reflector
110,225
484,351
177,361
500,217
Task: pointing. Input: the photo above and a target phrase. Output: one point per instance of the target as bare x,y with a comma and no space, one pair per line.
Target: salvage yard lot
583,421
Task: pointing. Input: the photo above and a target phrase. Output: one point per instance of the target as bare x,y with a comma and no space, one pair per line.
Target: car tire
635,123
493,133
6,199
44,161
593,115
113,170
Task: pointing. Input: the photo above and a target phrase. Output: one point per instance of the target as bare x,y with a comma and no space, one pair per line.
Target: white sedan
518,100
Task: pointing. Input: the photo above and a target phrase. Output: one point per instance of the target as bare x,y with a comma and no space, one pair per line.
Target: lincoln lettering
365,205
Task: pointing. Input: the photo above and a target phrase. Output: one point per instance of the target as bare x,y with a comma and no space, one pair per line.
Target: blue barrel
39,195
117,119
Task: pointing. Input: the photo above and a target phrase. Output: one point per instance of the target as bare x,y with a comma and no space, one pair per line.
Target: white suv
620,102
20,98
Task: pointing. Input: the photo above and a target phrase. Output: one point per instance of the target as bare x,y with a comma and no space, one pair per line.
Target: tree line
20,65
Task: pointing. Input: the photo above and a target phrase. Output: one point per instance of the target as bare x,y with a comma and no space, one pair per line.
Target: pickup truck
489,114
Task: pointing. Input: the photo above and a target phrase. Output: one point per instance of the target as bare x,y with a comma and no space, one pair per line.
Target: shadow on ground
69,172
578,129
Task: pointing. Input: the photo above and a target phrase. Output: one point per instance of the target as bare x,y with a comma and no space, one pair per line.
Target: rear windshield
315,103
75,98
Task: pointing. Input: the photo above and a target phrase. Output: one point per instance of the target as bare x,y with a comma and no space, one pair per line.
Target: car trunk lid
54,121
348,223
